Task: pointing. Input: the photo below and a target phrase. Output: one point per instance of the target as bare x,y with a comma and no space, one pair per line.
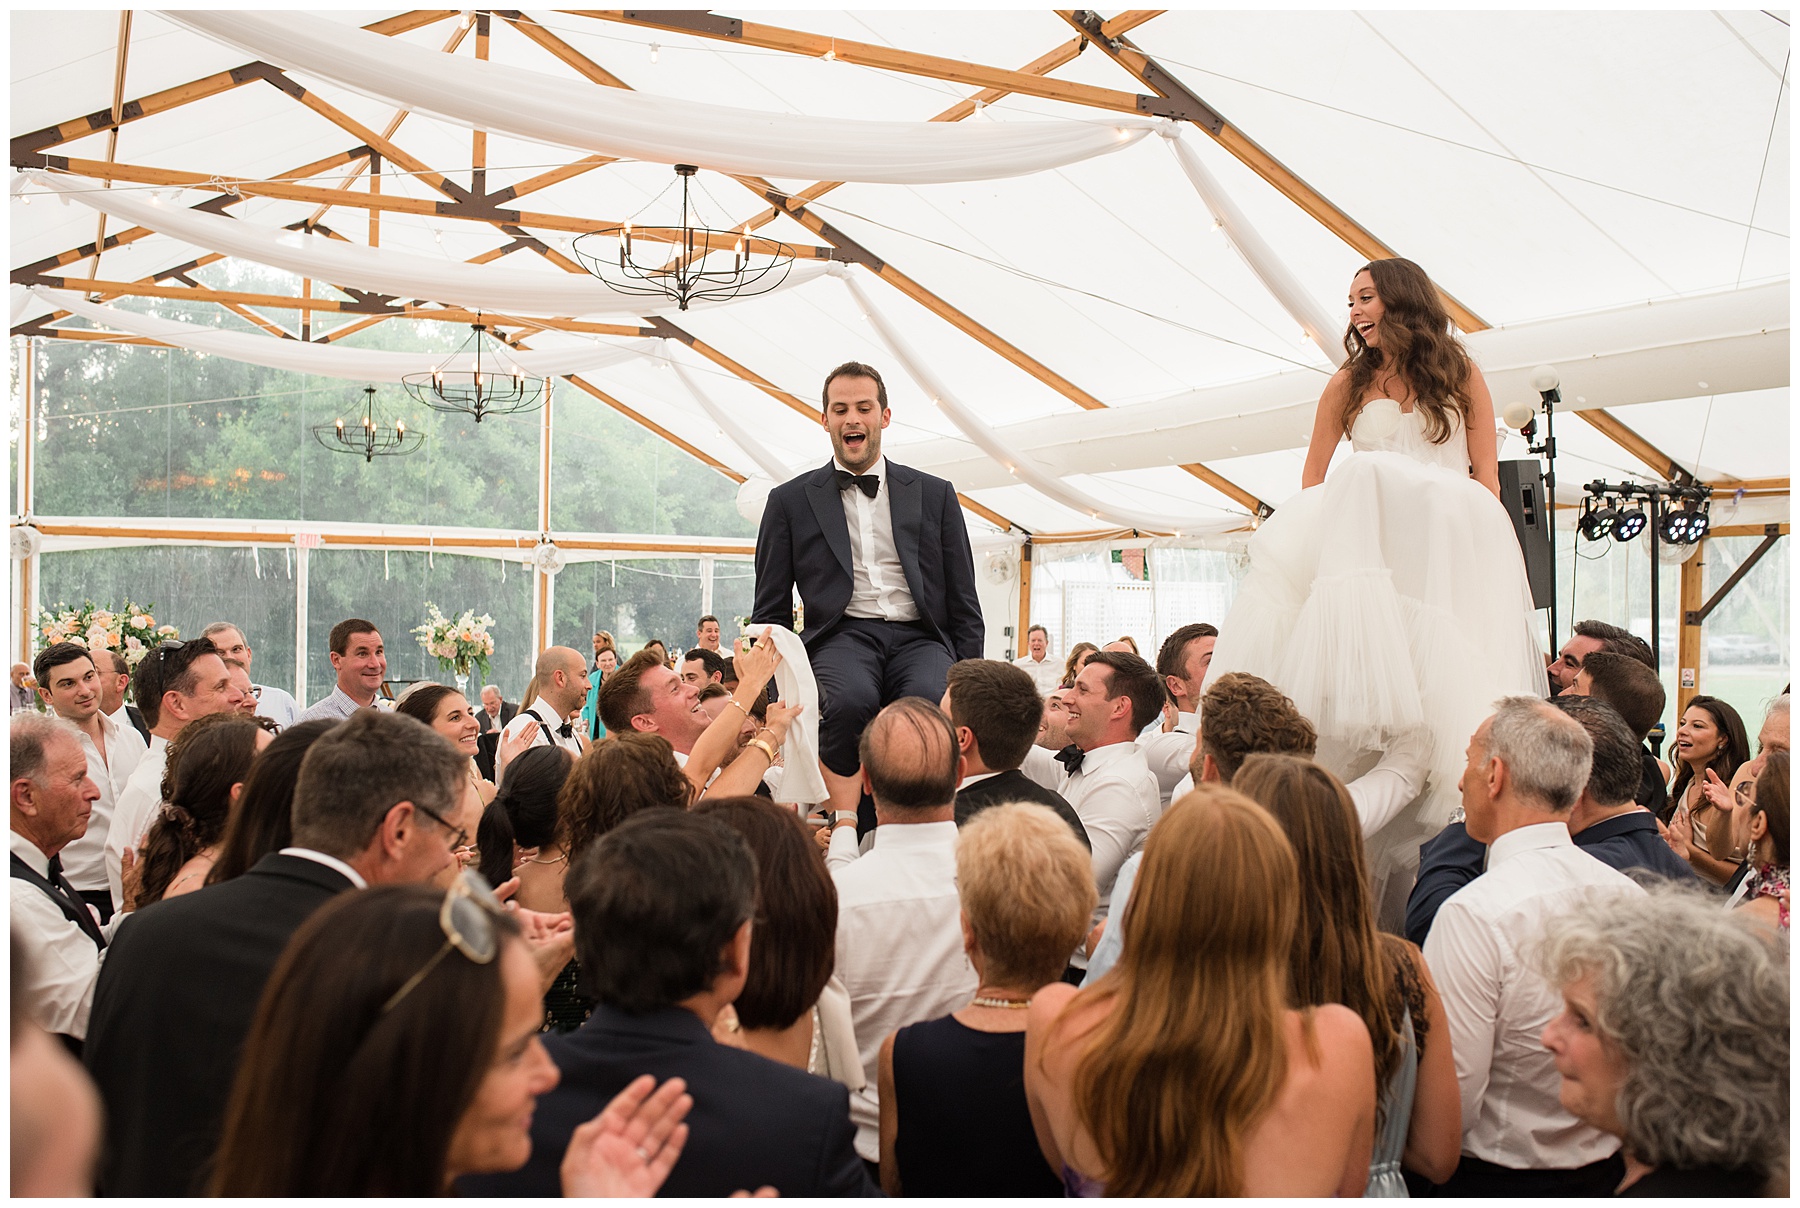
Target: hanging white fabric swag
397,274
660,129
326,360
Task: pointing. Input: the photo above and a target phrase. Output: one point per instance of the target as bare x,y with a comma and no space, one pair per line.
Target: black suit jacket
805,542
1015,785
137,722
754,1121
508,711
174,1002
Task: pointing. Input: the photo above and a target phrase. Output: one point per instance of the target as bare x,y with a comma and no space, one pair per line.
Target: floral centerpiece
130,628
457,643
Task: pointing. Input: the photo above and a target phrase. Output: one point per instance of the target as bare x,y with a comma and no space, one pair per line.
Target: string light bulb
655,52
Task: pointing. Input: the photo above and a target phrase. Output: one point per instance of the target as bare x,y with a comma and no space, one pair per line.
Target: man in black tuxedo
181,979
882,560
994,708
494,713
662,908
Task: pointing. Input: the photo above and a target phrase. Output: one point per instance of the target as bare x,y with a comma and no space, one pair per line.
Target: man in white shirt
562,680
1182,664
51,796
1528,764
271,702
706,634
1103,773
1045,672
70,684
643,695
175,683
359,660
899,933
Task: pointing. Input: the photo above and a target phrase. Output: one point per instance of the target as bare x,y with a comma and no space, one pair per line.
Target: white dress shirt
84,861
278,706
1168,755
138,804
878,587
127,731
64,963
1115,795
340,704
1479,953
1046,673
899,947
548,725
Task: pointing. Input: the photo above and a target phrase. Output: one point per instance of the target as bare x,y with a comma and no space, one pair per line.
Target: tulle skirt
1390,598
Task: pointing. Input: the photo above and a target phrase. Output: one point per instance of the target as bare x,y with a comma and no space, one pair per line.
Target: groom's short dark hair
855,369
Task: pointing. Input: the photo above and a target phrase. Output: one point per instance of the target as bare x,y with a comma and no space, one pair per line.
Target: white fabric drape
771,465
397,274
801,783
661,129
327,360
1018,464
1255,252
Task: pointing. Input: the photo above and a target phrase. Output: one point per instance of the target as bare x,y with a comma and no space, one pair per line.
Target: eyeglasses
467,918
462,836
1745,794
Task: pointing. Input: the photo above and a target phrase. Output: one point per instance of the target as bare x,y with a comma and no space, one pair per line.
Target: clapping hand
781,718
1679,834
550,937
1716,792
628,1150
755,662
519,743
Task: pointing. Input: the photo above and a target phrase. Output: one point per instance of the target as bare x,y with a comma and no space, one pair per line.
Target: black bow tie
1070,757
567,729
868,484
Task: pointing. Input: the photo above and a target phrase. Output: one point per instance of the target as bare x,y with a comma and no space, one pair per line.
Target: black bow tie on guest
567,729
868,484
1070,757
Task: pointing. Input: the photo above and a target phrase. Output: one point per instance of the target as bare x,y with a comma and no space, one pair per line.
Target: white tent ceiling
1553,171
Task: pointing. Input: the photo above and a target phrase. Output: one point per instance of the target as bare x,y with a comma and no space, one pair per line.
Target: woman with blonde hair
1338,956
1079,654
1184,1071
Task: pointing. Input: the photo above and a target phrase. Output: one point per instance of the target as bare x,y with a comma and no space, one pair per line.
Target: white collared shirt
278,706
340,705
899,947
63,962
138,804
1115,796
1046,673
122,719
548,725
1479,953
84,861
332,862
877,580
1168,755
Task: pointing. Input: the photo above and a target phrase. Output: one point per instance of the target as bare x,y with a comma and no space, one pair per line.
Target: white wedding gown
1390,598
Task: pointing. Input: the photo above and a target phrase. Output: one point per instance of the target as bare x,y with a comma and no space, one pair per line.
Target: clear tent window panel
632,599
733,594
190,587
390,588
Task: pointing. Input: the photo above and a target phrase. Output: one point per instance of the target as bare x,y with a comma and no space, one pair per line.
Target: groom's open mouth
854,440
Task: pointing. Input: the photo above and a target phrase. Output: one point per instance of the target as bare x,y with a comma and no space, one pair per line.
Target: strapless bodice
1408,438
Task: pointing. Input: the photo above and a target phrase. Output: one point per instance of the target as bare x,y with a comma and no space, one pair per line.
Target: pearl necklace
1005,1004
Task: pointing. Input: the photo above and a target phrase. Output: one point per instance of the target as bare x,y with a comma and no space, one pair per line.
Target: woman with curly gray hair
1674,1038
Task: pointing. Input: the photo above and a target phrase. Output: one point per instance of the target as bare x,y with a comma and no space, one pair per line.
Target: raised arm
1328,429
1484,446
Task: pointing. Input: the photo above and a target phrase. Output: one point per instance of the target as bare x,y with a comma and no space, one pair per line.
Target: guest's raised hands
628,1150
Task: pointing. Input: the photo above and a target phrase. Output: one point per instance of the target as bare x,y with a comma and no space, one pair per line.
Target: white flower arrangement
456,643
130,629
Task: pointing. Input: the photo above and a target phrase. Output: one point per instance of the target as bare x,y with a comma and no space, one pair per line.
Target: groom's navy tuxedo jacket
805,541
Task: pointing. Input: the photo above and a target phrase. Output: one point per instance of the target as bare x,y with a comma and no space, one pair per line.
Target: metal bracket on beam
1176,101
662,327
701,21
1771,534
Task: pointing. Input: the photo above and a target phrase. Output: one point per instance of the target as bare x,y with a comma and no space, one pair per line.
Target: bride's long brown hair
1193,1051
1416,344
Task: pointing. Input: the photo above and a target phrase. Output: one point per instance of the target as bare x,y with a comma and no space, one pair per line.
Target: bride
1389,601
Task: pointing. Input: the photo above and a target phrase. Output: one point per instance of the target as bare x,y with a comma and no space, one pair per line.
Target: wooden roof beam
1146,70
644,421
866,54
26,145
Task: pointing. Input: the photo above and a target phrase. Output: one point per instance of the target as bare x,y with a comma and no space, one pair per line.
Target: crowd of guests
1112,932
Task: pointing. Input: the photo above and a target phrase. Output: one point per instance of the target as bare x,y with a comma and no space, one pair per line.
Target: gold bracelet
764,747
732,700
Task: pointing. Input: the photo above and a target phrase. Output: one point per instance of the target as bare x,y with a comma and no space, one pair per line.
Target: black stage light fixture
1630,523
1597,522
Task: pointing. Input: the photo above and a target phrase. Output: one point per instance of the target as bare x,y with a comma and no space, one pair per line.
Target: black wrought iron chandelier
478,379
685,263
371,437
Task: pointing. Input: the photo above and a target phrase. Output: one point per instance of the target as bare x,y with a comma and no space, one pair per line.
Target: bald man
562,681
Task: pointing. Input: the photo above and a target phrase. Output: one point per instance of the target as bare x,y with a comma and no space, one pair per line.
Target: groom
882,561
